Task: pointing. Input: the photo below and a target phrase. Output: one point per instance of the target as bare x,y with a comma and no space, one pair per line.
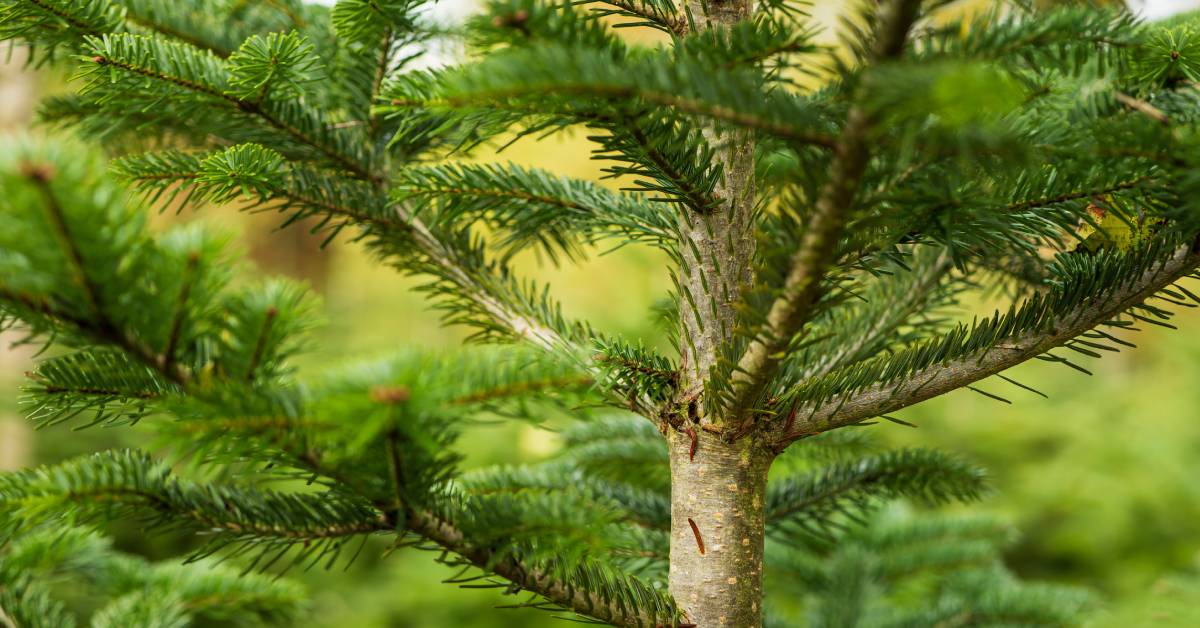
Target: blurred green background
1103,478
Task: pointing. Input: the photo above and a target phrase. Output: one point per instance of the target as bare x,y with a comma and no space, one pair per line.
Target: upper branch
148,24
381,70
944,377
521,326
650,14
802,287
624,93
253,108
881,322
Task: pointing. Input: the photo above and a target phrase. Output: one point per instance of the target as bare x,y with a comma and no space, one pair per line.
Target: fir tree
824,244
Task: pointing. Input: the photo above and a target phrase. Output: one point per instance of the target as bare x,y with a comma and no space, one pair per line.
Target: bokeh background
1102,479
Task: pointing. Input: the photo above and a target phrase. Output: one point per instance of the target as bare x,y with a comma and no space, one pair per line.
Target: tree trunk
717,503
716,267
717,488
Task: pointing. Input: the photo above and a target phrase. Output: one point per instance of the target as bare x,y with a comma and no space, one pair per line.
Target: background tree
815,235
133,591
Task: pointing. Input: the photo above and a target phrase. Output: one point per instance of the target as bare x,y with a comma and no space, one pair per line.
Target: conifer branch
520,325
587,589
253,108
381,69
174,33
126,18
625,124
64,16
1074,196
102,331
98,324
886,319
524,388
547,581
58,220
802,287
625,139
180,314
92,391
396,462
283,7
696,198
160,172
261,344
624,93
890,396
812,502
659,14
128,479
163,505
383,222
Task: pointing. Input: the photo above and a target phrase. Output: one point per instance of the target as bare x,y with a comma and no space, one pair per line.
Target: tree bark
717,269
717,488
717,529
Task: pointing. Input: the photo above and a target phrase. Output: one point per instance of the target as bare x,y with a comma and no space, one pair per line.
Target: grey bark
717,529
802,288
716,266
717,488
717,269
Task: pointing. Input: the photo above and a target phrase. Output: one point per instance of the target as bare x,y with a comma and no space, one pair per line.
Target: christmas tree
827,248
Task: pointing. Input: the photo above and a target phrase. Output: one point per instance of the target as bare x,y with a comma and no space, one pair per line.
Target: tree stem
718,245
717,488
717,529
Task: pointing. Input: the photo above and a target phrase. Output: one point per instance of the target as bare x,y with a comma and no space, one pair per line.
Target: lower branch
541,581
536,580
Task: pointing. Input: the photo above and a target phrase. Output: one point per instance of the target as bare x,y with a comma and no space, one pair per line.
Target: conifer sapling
825,246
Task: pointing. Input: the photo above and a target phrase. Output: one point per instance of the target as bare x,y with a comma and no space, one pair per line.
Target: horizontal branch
1073,196
427,242
98,325
167,508
132,19
624,124
103,334
690,106
542,581
888,397
158,27
656,18
550,385
256,109
71,20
